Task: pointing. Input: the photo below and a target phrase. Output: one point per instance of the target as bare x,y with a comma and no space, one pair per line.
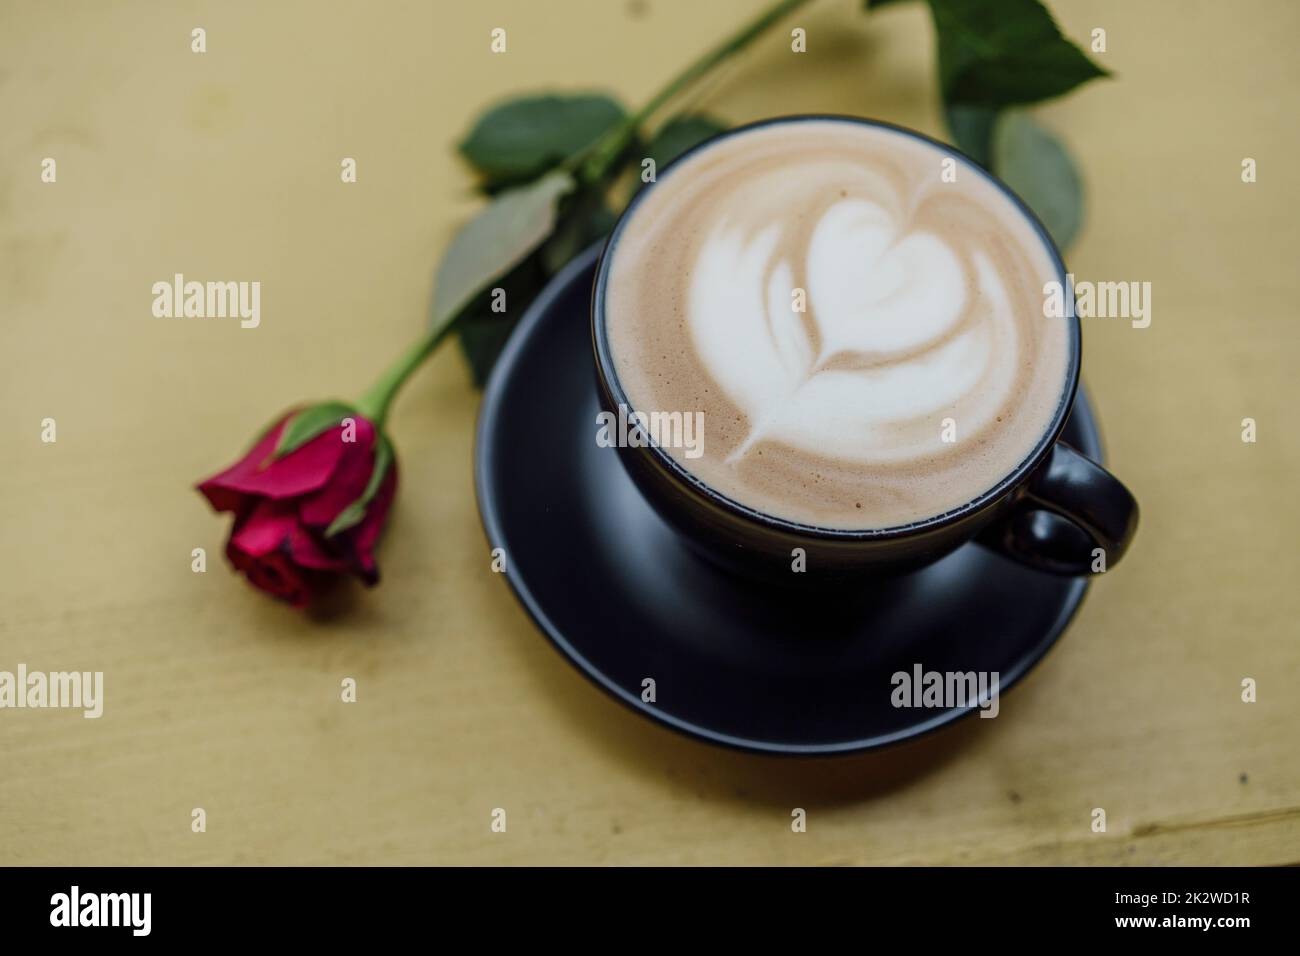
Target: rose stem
593,165
596,162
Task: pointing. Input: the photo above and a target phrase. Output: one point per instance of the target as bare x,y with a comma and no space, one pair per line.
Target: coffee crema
865,339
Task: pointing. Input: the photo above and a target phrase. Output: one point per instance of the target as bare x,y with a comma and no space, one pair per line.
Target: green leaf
584,218
482,337
876,4
1038,168
495,241
310,422
1004,52
681,133
482,333
353,513
522,138
972,131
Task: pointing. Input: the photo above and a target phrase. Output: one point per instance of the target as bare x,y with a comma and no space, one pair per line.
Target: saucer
625,600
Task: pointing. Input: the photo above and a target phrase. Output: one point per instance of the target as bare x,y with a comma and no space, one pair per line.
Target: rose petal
302,470
266,528
347,483
222,495
272,542
273,573
306,550
365,535
277,575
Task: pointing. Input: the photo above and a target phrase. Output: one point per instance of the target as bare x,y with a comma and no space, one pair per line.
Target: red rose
309,500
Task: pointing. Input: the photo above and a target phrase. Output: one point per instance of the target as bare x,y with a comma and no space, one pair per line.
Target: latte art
889,335
866,339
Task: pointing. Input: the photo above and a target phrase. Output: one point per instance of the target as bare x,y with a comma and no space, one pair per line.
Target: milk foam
921,308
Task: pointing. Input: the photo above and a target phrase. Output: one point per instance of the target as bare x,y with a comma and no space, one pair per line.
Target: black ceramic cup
1052,512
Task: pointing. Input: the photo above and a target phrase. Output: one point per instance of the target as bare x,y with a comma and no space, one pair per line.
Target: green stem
374,404
595,163
591,166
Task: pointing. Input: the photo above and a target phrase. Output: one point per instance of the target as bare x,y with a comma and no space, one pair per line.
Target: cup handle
1070,507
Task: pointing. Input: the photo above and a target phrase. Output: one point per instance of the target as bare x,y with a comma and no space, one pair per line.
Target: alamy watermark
179,299
633,429
1098,300
75,908
944,690
77,690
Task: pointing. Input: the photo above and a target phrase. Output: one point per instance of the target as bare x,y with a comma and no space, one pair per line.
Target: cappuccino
856,312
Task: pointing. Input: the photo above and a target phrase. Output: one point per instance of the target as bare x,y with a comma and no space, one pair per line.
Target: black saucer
624,599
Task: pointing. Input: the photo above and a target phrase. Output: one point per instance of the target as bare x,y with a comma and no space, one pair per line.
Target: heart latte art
863,333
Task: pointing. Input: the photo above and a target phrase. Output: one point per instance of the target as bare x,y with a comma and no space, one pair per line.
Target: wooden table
226,164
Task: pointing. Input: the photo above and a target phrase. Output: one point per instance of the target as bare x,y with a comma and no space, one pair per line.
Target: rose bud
310,499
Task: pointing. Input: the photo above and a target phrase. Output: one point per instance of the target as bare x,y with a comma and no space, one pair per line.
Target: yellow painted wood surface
226,165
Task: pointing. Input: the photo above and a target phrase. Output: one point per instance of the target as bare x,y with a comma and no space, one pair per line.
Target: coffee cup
852,314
